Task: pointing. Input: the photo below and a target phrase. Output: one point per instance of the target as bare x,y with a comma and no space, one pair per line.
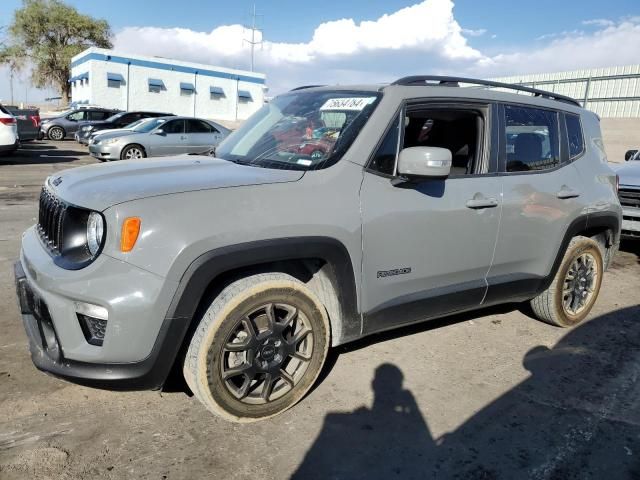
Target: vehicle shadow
631,246
576,416
35,154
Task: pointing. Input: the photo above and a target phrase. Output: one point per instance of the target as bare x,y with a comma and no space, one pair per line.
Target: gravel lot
493,394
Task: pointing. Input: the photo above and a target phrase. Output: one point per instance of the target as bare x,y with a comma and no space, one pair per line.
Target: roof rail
303,87
444,81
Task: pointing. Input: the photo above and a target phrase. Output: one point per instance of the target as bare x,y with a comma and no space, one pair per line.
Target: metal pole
195,91
11,83
586,93
253,35
128,69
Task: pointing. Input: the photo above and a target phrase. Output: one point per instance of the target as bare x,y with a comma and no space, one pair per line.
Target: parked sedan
159,137
66,124
119,120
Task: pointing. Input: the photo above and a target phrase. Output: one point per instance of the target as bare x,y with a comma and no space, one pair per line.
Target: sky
356,41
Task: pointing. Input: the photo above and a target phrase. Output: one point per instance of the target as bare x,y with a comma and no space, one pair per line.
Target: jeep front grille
50,219
629,197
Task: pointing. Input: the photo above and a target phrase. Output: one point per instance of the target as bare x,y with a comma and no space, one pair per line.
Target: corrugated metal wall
611,92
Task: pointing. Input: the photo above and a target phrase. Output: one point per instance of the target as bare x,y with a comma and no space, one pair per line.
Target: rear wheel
575,288
132,152
56,133
258,349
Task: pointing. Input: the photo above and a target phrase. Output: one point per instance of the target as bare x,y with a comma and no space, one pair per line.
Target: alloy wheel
267,353
580,284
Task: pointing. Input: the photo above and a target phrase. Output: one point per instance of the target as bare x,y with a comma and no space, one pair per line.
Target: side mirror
629,155
159,132
424,162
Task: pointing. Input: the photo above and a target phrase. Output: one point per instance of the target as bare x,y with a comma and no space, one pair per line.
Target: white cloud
424,36
474,33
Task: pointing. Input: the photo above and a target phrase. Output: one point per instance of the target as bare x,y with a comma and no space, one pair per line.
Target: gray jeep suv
428,199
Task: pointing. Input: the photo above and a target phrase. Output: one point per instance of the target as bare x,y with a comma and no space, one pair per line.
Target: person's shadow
390,440
576,417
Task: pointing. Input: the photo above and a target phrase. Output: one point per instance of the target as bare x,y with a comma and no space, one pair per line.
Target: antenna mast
254,28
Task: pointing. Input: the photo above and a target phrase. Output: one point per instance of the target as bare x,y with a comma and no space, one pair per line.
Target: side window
128,118
98,115
384,160
531,138
460,131
574,134
175,126
197,126
77,116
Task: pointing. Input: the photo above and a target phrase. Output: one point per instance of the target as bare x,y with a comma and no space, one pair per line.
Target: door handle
567,193
478,203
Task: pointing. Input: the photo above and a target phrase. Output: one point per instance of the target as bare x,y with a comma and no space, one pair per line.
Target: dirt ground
489,395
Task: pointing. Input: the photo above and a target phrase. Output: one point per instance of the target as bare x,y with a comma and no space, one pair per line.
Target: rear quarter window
574,134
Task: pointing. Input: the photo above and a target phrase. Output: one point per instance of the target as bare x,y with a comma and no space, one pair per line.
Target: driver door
428,245
172,140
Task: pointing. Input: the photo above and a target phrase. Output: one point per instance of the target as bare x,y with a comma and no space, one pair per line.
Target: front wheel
132,152
56,133
258,349
575,288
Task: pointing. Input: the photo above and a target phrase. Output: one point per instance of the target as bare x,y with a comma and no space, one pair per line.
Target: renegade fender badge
56,181
391,273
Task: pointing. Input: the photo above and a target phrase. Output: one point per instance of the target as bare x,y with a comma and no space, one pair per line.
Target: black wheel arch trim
516,288
152,372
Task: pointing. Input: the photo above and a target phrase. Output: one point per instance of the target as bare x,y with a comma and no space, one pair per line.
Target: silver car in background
629,194
158,137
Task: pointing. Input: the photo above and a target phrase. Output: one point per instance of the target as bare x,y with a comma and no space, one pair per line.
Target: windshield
301,130
149,124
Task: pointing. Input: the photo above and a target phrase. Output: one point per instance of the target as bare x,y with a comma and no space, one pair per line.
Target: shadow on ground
576,416
631,246
33,153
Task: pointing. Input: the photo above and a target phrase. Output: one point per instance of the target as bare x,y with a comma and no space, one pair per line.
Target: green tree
46,34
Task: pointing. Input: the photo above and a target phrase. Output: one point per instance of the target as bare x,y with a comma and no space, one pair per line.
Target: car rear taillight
35,119
8,120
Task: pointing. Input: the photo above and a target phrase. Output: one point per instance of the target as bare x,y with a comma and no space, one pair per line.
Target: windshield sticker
306,163
355,104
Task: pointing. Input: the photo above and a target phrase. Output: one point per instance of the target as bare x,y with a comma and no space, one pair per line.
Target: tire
56,134
576,286
233,382
132,152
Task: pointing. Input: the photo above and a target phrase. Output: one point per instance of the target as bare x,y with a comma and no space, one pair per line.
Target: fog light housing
93,322
93,329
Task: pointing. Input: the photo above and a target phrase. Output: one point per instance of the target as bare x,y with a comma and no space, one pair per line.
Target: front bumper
141,341
105,152
630,222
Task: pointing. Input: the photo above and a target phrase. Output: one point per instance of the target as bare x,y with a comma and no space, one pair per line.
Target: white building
110,79
611,92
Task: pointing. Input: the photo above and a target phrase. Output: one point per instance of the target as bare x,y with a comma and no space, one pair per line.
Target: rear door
200,136
541,196
171,141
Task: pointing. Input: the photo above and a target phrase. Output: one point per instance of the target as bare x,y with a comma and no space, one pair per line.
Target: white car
8,132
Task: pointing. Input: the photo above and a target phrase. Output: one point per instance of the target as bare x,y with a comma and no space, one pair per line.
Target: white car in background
8,132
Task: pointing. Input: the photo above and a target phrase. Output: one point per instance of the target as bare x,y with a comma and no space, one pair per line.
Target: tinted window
198,126
99,115
574,134
128,118
77,116
531,138
384,161
175,126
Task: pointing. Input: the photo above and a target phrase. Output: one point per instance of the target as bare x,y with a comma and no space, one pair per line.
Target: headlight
95,232
86,128
110,141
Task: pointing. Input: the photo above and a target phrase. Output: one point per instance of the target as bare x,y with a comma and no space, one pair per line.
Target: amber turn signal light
130,231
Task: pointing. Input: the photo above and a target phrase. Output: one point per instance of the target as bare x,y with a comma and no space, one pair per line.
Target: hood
102,185
629,173
116,132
